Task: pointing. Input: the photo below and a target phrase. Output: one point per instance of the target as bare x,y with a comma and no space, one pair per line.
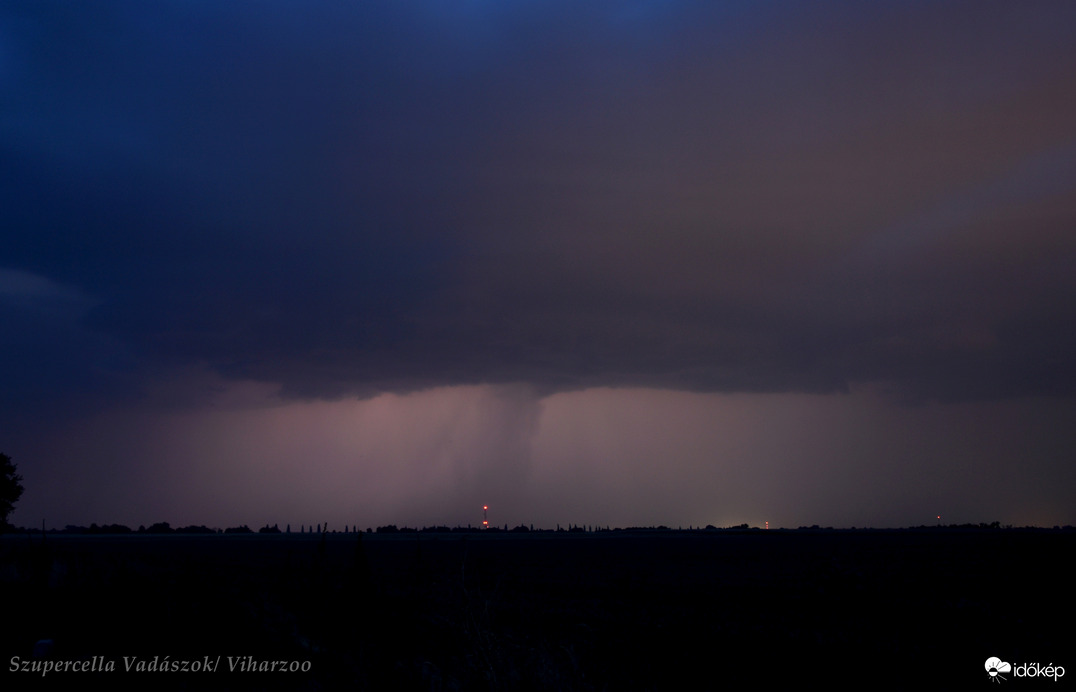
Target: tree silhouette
10,487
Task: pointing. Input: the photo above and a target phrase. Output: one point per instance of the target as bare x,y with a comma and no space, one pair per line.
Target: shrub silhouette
10,488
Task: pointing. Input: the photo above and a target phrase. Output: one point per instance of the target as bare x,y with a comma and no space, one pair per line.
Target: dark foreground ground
612,611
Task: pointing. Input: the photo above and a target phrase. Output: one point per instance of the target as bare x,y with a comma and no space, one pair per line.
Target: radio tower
485,518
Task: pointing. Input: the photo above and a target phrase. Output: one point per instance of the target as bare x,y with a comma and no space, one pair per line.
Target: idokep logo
995,667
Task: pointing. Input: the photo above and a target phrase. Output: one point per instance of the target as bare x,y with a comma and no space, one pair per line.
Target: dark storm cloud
51,362
359,197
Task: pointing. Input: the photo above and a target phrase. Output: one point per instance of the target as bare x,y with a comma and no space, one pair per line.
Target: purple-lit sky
613,263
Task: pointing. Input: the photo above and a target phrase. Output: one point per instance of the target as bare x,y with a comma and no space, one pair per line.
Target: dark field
603,611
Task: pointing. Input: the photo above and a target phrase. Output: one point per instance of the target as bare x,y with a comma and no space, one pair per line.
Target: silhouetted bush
10,488
196,529
95,529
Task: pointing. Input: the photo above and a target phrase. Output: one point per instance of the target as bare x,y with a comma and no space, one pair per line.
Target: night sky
610,263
